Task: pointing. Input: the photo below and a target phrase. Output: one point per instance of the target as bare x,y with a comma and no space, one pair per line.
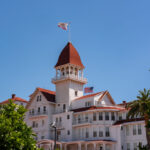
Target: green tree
141,107
14,133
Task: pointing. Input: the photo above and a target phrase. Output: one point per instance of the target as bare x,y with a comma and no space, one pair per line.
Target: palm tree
141,107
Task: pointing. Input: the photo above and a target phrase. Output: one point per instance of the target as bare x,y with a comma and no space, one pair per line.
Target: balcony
81,122
38,114
70,76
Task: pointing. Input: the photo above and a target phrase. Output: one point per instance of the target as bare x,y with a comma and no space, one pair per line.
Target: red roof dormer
69,55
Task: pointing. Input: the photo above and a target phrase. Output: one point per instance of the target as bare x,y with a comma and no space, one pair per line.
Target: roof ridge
14,99
45,90
89,95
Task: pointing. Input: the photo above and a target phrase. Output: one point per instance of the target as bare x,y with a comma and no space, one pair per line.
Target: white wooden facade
84,122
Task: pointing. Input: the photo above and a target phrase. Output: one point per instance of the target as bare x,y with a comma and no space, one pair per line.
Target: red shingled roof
14,99
69,55
94,107
87,96
46,91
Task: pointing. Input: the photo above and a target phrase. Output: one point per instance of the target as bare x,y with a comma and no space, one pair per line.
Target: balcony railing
85,121
38,114
71,76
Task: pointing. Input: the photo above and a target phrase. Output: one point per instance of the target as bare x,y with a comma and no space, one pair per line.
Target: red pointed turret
69,55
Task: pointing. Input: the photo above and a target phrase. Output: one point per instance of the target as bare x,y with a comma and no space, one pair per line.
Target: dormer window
76,93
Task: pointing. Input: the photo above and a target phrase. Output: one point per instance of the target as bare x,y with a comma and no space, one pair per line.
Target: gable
106,99
46,95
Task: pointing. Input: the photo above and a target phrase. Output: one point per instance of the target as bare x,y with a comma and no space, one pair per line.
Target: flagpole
69,33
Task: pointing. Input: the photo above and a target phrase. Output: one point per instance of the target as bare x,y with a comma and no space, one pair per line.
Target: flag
88,90
63,25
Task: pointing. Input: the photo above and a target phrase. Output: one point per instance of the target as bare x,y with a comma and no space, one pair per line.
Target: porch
78,145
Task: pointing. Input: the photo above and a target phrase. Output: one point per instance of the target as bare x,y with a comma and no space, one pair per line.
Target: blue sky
111,36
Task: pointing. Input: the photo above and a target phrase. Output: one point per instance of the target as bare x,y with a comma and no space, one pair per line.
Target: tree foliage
14,133
141,108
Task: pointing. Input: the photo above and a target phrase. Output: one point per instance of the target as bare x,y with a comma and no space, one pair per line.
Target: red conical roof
69,55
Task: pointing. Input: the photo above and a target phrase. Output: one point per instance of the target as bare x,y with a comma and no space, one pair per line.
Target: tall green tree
141,107
14,133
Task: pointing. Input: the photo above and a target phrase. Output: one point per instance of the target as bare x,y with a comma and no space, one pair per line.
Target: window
128,146
68,132
107,134
79,119
68,116
94,133
86,117
38,109
134,129
42,137
56,120
33,124
44,108
59,119
87,104
64,107
127,130
37,98
106,115
100,116
135,146
94,116
139,129
36,125
112,116
87,133
76,93
79,133
32,111
100,133
120,116
40,98
82,132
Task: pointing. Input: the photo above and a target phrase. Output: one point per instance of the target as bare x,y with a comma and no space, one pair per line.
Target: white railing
71,76
85,121
38,113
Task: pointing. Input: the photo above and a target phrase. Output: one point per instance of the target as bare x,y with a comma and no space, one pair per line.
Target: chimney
124,102
13,96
